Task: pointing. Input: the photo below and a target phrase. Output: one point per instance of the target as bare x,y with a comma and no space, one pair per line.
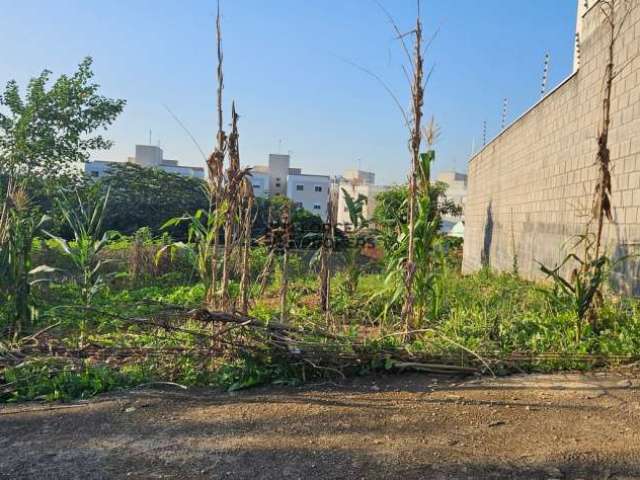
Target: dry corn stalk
284,286
233,184
417,96
615,14
247,194
326,249
215,166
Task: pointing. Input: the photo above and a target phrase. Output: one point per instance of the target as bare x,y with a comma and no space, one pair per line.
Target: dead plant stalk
417,96
602,194
215,165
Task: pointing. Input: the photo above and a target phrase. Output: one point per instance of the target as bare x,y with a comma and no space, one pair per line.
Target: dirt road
405,427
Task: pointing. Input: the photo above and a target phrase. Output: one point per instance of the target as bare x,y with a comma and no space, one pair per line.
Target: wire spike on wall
545,74
578,48
484,133
503,122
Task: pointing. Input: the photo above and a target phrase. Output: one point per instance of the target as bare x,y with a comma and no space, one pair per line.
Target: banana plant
358,224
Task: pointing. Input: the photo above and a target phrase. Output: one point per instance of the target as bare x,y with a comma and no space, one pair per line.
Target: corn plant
585,282
20,225
85,219
202,229
581,285
428,252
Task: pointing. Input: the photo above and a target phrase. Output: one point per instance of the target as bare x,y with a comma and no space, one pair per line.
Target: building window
255,185
95,174
316,206
299,187
277,185
298,205
318,188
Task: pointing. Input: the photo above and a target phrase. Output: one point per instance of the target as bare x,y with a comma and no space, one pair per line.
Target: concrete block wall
531,188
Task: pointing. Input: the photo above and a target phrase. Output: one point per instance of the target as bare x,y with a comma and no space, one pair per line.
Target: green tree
149,197
51,129
391,210
43,136
305,225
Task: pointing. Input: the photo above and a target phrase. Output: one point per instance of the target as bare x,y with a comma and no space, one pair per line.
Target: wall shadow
487,240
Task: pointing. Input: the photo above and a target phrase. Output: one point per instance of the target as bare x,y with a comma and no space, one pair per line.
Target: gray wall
531,188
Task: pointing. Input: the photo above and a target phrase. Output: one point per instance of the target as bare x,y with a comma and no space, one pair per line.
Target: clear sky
285,67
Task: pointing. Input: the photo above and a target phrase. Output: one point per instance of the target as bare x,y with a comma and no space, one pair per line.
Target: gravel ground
408,426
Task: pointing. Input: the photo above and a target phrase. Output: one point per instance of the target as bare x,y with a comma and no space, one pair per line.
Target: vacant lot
409,427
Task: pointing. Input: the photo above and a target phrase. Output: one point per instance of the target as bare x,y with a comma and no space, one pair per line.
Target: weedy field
150,327
142,276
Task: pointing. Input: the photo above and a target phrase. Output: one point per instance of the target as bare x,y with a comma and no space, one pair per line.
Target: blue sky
285,67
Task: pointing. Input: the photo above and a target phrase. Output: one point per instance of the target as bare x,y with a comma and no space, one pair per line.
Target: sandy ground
406,427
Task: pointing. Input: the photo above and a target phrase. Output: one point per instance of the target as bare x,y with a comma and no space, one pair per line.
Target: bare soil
408,427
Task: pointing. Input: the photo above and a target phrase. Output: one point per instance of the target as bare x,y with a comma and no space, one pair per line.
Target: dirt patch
408,427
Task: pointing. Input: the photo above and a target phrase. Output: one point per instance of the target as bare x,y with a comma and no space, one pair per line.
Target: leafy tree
304,223
42,138
149,197
51,129
391,210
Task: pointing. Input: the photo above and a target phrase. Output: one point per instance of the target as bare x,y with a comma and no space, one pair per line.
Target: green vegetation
496,316
103,285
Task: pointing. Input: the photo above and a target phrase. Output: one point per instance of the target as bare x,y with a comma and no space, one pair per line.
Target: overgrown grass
494,315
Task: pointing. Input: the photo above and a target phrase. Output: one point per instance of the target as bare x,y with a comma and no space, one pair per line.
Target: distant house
357,182
310,192
457,193
278,178
149,156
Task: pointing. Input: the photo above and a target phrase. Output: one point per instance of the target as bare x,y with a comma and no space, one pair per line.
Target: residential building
149,156
357,182
457,193
260,182
278,172
310,192
456,186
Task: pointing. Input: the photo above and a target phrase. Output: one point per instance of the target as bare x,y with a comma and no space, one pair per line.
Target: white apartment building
260,181
310,192
149,156
357,182
456,192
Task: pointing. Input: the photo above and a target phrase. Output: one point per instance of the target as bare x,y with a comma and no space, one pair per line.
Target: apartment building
457,193
148,156
357,182
278,178
310,192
